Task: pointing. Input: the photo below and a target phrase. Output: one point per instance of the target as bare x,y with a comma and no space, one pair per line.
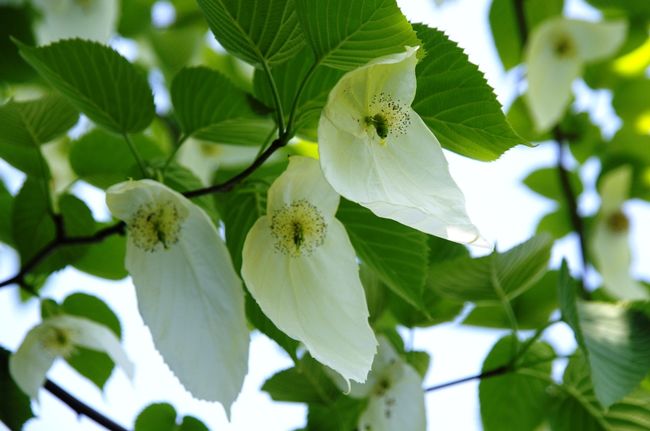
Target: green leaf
441,250
6,207
343,414
398,254
567,297
105,259
26,125
135,17
259,320
618,341
209,106
556,223
15,22
418,360
175,47
634,8
515,398
260,32
456,102
345,34
546,182
522,123
103,159
97,81
15,407
156,417
94,365
505,26
493,278
190,423
289,77
532,309
575,407
305,383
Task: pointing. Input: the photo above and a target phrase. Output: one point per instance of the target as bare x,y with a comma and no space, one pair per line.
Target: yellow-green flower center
298,228
156,225
387,117
58,341
618,222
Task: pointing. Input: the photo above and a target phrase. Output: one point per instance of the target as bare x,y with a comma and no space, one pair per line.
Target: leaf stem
80,407
276,98
294,105
135,153
177,147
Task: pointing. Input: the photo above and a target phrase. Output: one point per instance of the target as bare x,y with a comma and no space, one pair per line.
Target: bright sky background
500,206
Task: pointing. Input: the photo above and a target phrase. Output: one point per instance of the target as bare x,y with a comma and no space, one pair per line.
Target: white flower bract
188,292
376,150
610,241
299,265
56,337
556,52
86,19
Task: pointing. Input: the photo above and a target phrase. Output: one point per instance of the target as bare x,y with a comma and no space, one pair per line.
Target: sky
500,206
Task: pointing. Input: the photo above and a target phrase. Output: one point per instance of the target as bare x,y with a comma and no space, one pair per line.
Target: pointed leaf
397,254
345,34
305,383
258,32
97,81
487,278
15,408
456,102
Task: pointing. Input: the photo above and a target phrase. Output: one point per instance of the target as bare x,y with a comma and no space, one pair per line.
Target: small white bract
394,392
610,241
188,292
555,54
376,150
58,337
299,265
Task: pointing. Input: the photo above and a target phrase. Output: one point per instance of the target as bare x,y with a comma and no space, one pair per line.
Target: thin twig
504,369
80,407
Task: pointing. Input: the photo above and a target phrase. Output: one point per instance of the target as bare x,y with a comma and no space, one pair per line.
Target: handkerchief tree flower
555,55
376,150
181,267
299,265
56,337
611,242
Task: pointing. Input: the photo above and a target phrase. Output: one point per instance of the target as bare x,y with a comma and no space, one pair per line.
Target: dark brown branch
505,369
522,25
80,407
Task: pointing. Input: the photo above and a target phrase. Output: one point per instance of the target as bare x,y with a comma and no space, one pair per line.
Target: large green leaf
105,259
532,309
456,102
304,383
94,365
505,25
515,398
15,408
342,414
494,278
289,77
16,22
96,80
209,106
398,254
103,159
546,182
257,32
575,407
618,341
345,34
26,125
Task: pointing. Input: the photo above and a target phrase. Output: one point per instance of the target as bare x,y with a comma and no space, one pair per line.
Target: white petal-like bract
555,54
299,265
188,292
376,150
64,19
57,337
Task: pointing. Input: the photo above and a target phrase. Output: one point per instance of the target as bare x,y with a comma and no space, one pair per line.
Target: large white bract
555,55
299,265
376,150
188,292
56,337
611,242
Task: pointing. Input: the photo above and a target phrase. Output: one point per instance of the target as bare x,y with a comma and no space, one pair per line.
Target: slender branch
522,25
232,182
80,407
572,206
499,371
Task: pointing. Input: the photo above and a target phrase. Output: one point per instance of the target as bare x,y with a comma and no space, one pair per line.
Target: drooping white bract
299,265
611,244
394,392
58,336
64,19
555,54
376,150
188,292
